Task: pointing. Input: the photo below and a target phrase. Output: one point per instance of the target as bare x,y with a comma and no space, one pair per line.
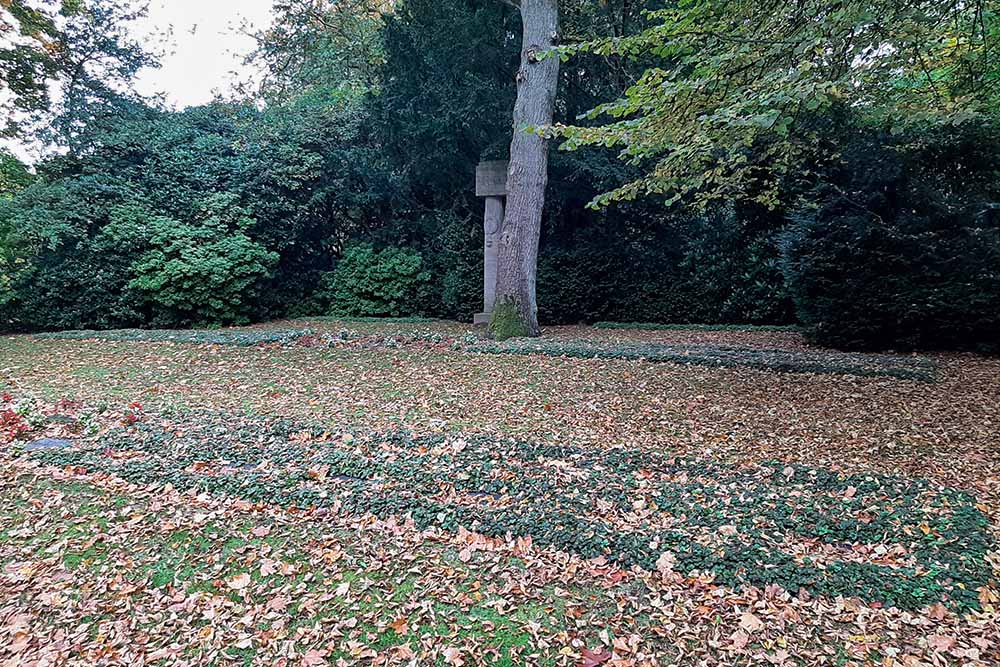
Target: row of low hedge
235,337
733,521
368,320
789,361
654,326
250,337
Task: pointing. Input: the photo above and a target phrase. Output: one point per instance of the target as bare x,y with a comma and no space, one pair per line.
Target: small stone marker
48,443
61,419
491,183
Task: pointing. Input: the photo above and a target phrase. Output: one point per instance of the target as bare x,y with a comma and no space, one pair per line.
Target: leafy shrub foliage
14,176
202,274
904,251
715,267
376,283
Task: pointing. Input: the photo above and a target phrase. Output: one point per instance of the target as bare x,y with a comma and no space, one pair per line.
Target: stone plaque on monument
491,178
491,183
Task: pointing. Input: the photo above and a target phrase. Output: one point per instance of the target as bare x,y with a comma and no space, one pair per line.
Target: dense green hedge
903,251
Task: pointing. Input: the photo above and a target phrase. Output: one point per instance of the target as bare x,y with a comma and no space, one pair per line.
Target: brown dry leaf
592,658
319,474
665,563
453,656
279,603
940,643
313,658
937,611
750,622
239,582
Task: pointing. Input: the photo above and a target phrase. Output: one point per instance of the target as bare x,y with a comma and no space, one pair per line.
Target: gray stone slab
47,443
491,179
61,419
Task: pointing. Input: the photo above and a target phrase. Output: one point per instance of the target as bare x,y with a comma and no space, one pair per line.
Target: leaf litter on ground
100,570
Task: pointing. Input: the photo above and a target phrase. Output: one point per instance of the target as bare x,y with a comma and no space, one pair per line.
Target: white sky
203,49
202,44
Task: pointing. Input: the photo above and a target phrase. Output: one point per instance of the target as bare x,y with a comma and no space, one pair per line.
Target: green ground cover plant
237,337
655,326
907,543
723,356
789,361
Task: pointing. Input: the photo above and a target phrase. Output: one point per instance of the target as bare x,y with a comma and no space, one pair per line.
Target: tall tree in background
66,64
14,175
320,48
516,312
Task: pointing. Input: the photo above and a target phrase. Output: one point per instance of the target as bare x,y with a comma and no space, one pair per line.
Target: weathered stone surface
61,419
491,179
491,183
492,223
47,443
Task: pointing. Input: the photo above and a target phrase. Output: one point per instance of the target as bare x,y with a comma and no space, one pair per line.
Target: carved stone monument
491,183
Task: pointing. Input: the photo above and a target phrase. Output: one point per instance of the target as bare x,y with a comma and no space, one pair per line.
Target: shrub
900,256
56,269
391,282
201,274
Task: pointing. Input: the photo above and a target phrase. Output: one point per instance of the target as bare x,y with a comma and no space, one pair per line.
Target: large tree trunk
516,310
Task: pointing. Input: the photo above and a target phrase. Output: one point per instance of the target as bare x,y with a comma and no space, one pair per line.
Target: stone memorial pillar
491,183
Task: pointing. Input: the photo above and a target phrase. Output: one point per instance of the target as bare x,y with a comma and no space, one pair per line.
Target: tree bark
517,262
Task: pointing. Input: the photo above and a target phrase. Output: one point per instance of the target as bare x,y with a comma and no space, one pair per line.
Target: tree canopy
66,63
725,110
14,175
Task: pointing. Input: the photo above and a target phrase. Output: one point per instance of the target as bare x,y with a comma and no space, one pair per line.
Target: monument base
481,319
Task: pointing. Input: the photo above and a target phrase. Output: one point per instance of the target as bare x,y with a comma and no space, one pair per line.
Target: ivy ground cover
266,499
